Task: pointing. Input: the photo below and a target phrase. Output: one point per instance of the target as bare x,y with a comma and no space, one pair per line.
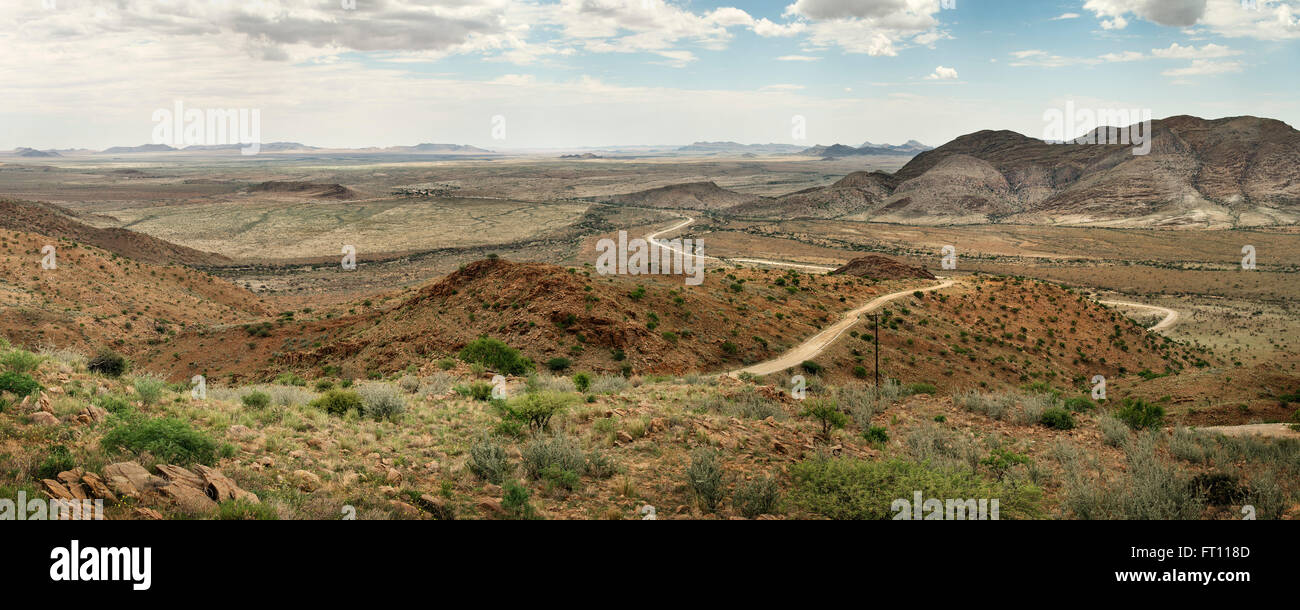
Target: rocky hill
54,221
1239,171
694,195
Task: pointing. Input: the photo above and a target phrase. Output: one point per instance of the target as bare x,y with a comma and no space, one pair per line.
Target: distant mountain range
1231,172
834,151
720,148
425,148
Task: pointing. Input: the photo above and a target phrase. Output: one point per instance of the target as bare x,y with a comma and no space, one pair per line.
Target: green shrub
828,413
108,362
57,460
812,368
338,402
478,390
757,497
516,502
553,456
256,400
382,400
324,385
1057,418
290,379
21,361
851,489
114,403
558,364
168,440
489,461
1140,414
538,408
1079,404
921,388
496,355
19,384
582,381
704,475
149,389
876,434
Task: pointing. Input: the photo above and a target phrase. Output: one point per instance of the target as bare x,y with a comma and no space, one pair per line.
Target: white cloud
798,58
1270,20
1208,51
872,27
942,73
1203,67
1066,16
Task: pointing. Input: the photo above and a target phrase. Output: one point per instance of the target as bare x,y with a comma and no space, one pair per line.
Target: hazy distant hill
146,148
23,151
841,150
694,195
438,148
719,148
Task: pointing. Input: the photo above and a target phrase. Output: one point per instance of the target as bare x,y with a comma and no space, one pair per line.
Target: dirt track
1171,316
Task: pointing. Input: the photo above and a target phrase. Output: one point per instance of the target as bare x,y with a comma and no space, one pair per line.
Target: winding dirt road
819,342
814,346
1171,316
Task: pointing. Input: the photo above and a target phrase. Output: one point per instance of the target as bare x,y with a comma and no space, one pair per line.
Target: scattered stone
56,490
97,487
42,418
393,477
130,479
490,507
148,513
624,437
176,474
307,481
219,487
188,499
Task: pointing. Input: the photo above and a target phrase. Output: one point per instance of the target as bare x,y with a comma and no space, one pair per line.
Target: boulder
180,476
219,487
56,490
42,418
97,487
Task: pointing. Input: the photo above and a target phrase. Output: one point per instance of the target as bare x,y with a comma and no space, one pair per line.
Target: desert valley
426,333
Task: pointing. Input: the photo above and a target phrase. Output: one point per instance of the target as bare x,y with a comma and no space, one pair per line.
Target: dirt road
1171,316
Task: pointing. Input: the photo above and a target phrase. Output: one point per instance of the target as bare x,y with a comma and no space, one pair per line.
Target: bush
57,460
1079,404
168,440
113,403
149,389
554,459
108,362
757,497
851,489
496,355
828,413
812,368
704,475
1057,418
538,408
1140,414
19,384
1113,431
921,388
489,461
516,502
21,361
558,364
256,400
479,390
290,379
876,434
382,400
338,402
582,381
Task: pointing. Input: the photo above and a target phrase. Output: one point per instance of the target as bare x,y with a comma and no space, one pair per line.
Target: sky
516,74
